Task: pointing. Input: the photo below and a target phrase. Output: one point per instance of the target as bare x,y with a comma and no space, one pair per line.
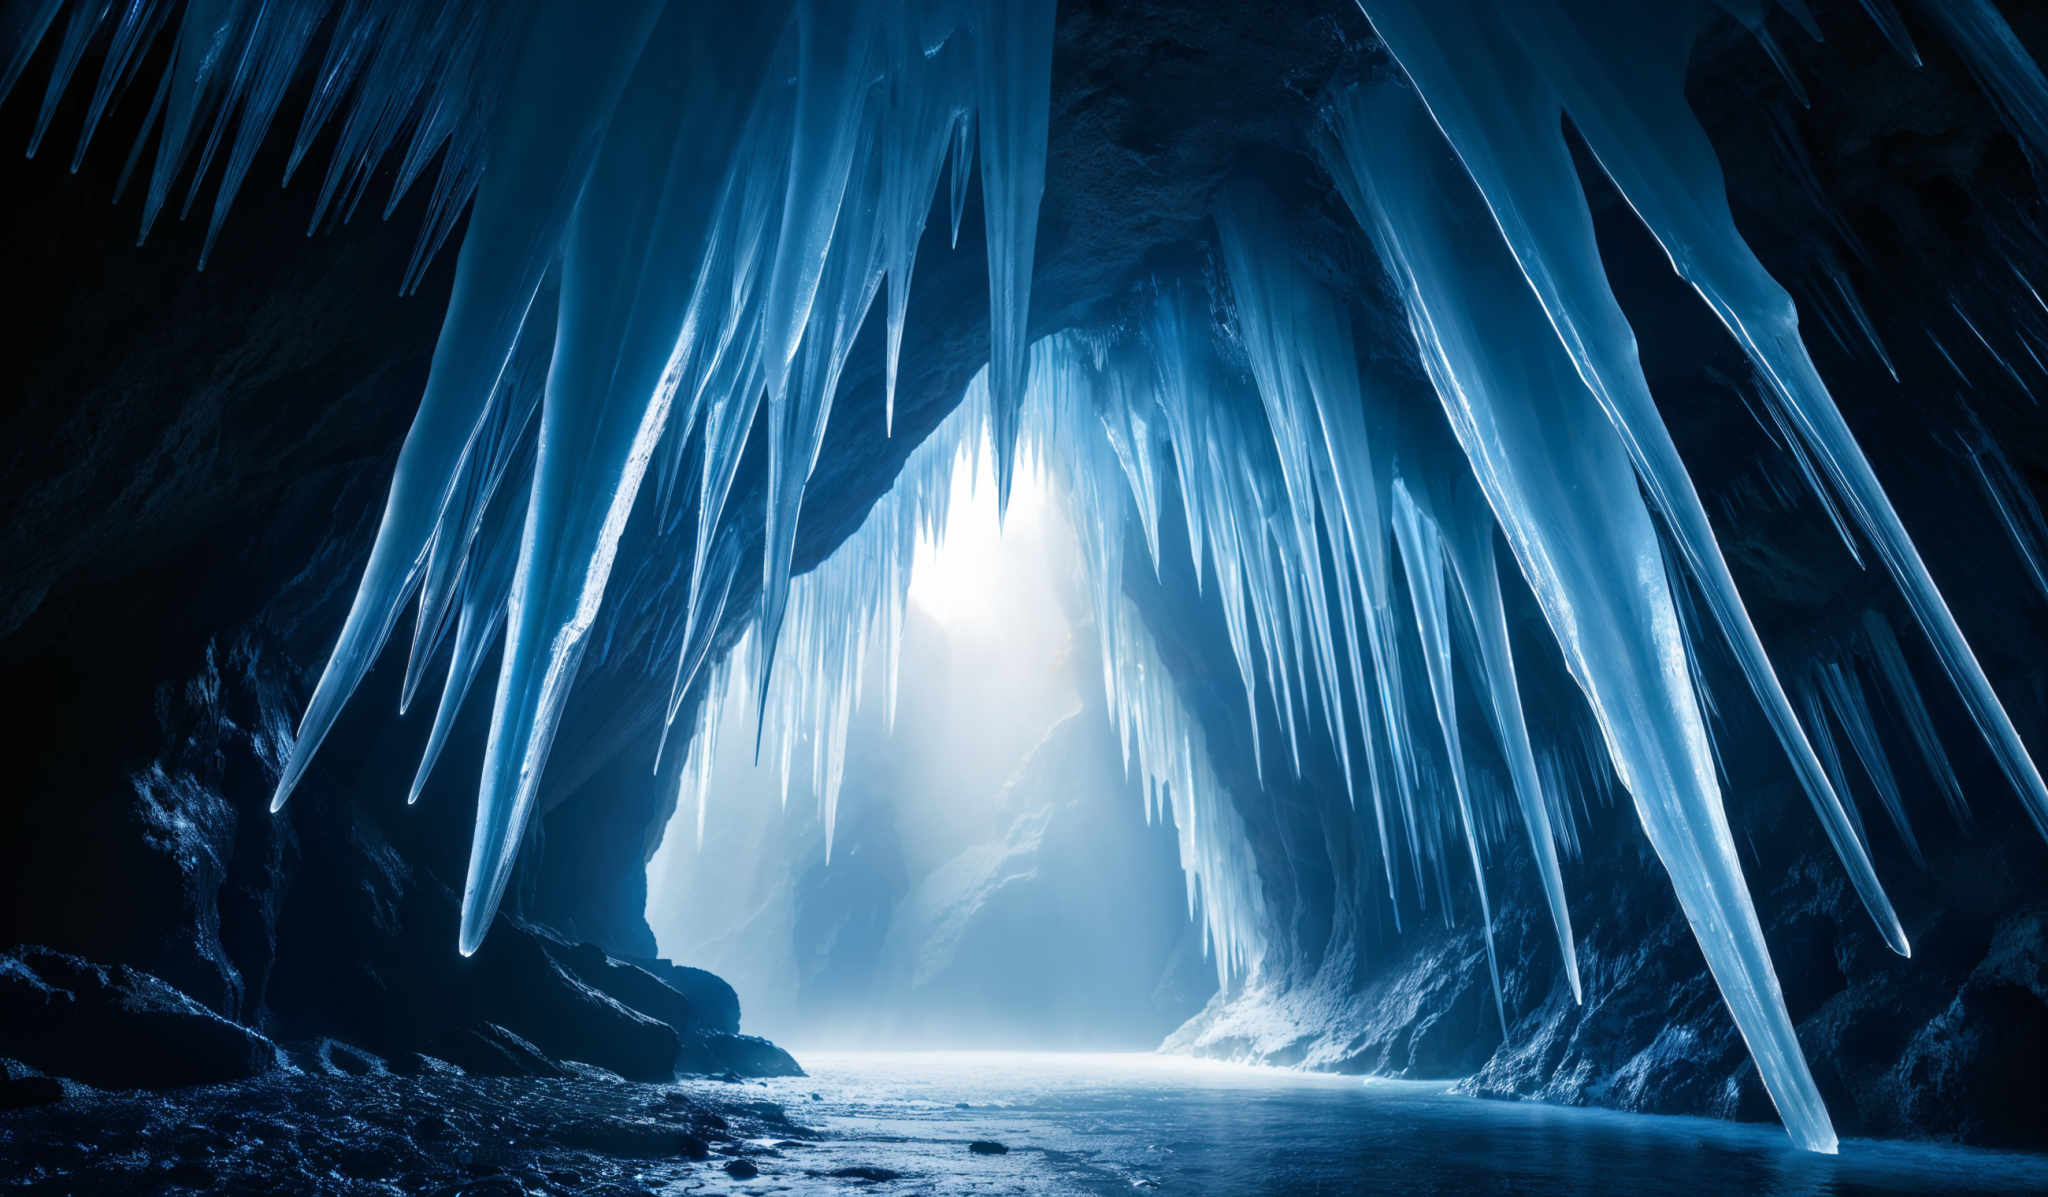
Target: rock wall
192,459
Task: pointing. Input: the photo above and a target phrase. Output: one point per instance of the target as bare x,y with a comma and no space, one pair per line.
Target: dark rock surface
425,1134
712,1002
117,1027
487,1049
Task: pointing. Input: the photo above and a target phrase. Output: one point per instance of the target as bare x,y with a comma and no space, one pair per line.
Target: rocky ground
320,1130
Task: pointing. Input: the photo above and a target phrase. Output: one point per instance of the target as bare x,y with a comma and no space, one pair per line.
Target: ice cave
961,596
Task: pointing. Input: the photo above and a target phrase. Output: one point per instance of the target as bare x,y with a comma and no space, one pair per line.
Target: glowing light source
967,576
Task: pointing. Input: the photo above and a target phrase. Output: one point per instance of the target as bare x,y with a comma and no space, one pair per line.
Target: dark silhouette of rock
487,1049
987,1147
712,1002
734,1057
335,1058
22,1086
631,1137
742,1170
116,1027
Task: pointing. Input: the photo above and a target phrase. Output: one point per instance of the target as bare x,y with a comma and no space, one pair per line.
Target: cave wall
1926,182
191,462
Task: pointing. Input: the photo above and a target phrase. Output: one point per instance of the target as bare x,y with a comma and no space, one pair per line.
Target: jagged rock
864,1172
634,986
518,983
490,1050
1990,1039
631,1137
22,1086
335,1058
116,1027
712,1002
734,1057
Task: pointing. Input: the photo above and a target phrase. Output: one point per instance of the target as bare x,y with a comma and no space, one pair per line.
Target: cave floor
926,1122
481,1136
1114,1123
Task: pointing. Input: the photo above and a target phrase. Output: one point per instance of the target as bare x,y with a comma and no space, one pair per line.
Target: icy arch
680,216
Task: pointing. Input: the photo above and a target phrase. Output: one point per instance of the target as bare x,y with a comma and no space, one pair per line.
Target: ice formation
680,216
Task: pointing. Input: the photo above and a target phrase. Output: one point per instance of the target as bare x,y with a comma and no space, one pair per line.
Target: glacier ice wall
680,217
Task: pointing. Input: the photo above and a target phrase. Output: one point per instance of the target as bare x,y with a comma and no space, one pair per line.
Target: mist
992,880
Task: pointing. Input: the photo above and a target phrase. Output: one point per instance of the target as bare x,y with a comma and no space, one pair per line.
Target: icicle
636,243
926,99
1905,694
22,26
1468,533
1620,74
820,234
1422,560
963,170
486,588
485,459
141,21
1014,40
1886,18
1524,170
278,38
2018,512
86,19
568,74
2002,67
1845,698
1566,497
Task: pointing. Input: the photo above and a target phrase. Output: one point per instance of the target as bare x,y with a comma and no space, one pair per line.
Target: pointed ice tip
475,926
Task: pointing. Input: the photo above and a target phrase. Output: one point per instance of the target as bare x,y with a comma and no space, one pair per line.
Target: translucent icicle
1503,120
1622,80
1422,560
1014,40
1564,493
638,238
567,75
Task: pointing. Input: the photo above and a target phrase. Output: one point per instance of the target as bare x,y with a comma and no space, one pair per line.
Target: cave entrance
982,870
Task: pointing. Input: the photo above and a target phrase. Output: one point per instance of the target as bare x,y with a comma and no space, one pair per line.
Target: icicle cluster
679,217
682,214
1079,420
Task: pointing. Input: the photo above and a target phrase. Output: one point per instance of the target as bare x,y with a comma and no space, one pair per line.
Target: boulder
22,1086
735,1055
117,1027
488,1049
518,984
712,1002
633,986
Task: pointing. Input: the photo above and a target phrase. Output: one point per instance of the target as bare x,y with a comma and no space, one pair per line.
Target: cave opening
993,878
1493,548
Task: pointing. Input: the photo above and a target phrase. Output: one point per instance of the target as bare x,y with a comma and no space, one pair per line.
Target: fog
992,881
